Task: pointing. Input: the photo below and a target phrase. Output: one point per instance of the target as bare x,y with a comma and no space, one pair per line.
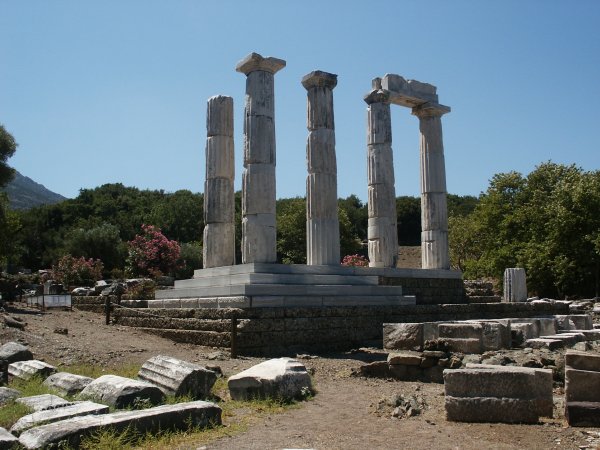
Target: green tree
190,259
8,147
408,216
99,242
291,230
9,222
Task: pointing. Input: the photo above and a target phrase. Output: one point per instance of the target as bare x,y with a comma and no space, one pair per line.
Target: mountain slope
24,193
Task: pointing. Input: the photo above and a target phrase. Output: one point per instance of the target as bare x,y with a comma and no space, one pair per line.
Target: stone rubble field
352,407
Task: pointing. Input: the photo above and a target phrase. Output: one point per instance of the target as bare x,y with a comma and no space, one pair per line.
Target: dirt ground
348,412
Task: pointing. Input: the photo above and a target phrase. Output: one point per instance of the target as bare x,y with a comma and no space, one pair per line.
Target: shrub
355,261
77,271
152,253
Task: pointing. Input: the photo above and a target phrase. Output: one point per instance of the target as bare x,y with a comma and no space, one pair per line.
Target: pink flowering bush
72,271
355,261
152,253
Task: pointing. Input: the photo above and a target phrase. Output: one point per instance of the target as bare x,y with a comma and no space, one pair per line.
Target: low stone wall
93,303
430,291
289,330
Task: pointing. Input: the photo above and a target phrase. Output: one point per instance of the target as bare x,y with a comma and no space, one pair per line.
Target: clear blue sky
115,90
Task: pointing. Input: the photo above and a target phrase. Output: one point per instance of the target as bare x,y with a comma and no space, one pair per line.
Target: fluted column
322,223
434,210
219,206
259,236
382,231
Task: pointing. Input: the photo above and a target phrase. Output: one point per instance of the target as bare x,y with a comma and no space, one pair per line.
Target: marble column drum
322,223
219,205
382,232
259,235
434,211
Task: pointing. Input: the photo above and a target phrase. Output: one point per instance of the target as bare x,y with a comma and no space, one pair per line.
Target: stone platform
281,285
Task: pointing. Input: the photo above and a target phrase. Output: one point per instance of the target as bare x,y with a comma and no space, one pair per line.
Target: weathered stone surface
547,326
8,394
525,330
493,382
466,345
406,358
403,336
582,321
460,330
7,440
515,285
56,414
218,248
259,143
43,402
495,336
582,385
320,108
431,255
219,200
219,116
167,417
256,230
176,377
121,392
283,377
67,383
255,61
491,409
13,352
550,344
582,360
583,414
28,369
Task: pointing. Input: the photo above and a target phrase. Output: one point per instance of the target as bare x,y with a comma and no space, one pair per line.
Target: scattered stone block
590,335
550,344
582,321
7,440
121,392
582,386
43,402
582,360
67,383
564,322
179,416
495,336
54,415
13,352
406,358
283,377
176,377
8,394
583,414
567,339
522,331
460,330
403,336
547,326
470,345
490,409
28,369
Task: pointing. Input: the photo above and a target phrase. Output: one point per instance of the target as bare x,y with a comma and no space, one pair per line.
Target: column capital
318,78
377,96
254,62
430,109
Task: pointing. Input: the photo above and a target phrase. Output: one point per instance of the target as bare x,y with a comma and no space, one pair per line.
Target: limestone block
525,330
403,336
323,241
381,201
258,185
583,414
433,171
567,339
28,369
550,344
393,82
259,140
582,385
434,211
280,378
405,358
491,409
167,417
464,345
460,330
54,415
219,116
379,124
320,108
44,402
496,336
493,382
176,377
564,322
259,238
13,352
582,321
7,440
219,201
121,392
380,164
67,383
421,88
547,326
219,245
515,285
321,194
260,94
7,394
220,157
320,151
582,360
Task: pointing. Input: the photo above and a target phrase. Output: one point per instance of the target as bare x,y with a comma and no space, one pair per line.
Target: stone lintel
254,62
408,93
430,109
318,78
377,96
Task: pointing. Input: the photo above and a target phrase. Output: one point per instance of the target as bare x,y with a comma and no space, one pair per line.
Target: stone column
219,203
259,238
322,223
515,285
382,232
434,210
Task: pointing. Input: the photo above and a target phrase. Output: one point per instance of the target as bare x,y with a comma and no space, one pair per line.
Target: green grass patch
11,412
33,386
